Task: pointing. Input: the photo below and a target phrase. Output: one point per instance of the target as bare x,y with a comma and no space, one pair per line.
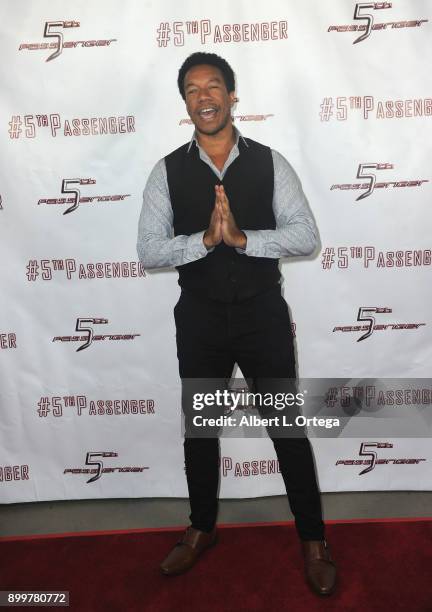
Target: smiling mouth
208,114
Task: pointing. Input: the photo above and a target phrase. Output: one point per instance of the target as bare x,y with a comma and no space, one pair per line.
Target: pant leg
264,351
202,354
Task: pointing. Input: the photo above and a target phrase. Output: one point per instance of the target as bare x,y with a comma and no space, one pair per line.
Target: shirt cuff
253,244
243,251
196,247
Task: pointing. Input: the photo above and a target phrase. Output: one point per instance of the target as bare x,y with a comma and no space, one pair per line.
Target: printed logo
78,126
374,397
55,30
47,269
99,469
208,32
367,107
9,473
362,14
84,324
365,314
71,186
81,405
371,257
254,467
366,450
8,340
364,172
239,117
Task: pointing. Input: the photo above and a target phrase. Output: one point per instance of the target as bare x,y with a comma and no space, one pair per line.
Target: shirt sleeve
156,245
296,232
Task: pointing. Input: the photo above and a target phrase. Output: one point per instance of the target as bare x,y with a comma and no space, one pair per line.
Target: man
223,209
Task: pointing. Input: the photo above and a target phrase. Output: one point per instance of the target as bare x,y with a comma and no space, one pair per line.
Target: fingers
216,215
222,210
222,202
218,201
220,194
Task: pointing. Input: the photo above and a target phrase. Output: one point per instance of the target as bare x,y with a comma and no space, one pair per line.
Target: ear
233,98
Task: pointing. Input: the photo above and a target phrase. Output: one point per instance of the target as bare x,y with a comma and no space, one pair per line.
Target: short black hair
199,58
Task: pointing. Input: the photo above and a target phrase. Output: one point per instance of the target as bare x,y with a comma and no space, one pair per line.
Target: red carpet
383,566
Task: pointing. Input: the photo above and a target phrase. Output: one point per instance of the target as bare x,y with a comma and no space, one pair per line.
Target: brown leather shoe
186,552
320,569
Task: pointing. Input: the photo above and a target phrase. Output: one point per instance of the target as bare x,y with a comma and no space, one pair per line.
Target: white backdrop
96,118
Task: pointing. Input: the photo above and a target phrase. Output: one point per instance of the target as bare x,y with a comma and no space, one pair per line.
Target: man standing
223,209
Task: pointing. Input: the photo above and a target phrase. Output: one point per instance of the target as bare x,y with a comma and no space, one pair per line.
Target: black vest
224,274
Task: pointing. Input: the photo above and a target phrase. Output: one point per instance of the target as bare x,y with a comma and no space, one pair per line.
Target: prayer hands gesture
222,224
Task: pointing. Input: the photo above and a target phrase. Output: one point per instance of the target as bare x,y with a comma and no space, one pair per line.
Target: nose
204,94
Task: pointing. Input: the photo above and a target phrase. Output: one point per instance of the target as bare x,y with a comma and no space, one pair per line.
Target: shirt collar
237,133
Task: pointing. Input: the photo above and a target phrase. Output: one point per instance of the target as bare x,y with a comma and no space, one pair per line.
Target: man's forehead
205,71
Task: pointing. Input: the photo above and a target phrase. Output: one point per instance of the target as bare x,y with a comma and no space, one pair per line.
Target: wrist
242,241
207,241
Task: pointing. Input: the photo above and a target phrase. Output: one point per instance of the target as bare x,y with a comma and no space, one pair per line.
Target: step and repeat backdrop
89,386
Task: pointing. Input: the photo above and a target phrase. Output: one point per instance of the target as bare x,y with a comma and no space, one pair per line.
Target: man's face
208,102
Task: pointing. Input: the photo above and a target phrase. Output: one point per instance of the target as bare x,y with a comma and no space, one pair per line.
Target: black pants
256,334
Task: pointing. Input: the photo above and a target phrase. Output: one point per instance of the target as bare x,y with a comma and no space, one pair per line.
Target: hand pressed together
222,224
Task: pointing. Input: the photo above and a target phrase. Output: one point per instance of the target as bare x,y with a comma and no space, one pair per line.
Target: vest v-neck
233,154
